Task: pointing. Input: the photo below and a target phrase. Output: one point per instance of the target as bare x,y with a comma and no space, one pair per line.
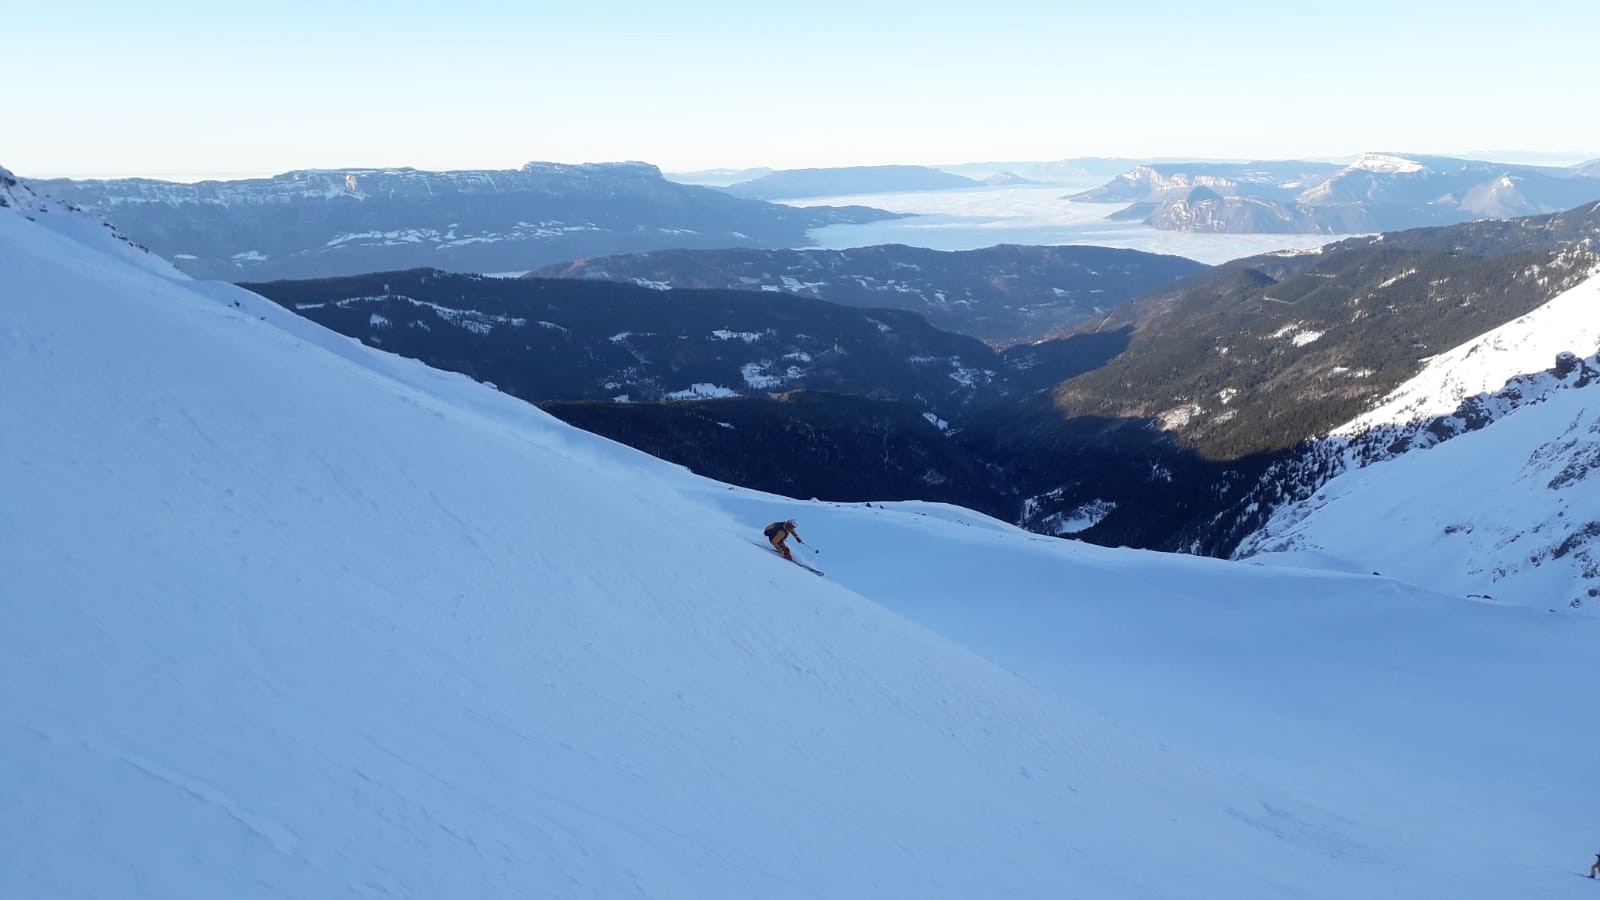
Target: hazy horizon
1510,157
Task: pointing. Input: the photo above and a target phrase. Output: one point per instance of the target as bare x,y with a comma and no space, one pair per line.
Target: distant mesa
793,183
323,222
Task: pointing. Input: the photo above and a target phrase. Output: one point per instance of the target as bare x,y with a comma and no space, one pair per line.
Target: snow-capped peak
1386,164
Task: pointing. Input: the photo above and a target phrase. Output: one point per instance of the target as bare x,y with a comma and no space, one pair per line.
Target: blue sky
188,88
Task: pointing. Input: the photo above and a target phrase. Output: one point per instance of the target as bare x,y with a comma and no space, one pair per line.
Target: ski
797,562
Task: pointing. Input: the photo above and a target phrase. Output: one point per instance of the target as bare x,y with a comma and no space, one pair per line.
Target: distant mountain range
330,222
1229,371
849,179
717,177
1256,354
827,379
1377,192
1005,294
547,340
834,182
551,339
1060,171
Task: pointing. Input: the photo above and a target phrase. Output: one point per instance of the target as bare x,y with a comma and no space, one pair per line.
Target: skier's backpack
771,530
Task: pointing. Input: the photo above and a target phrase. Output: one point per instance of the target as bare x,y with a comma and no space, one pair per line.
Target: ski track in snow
289,617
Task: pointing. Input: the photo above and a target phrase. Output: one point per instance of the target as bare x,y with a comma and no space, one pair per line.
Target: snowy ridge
1496,501
67,220
1525,542
291,617
1568,323
1460,390
360,184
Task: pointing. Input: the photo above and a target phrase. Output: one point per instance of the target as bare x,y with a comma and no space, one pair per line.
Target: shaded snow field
290,617
971,218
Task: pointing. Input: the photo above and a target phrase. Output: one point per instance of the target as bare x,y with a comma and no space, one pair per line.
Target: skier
1595,869
778,532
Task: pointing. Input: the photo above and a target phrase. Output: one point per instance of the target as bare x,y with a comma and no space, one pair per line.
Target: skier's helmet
791,524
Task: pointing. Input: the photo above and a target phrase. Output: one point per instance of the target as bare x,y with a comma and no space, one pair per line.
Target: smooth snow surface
1569,322
288,617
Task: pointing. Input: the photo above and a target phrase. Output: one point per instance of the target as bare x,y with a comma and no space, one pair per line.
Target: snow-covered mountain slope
1509,511
1505,508
1568,323
289,617
97,235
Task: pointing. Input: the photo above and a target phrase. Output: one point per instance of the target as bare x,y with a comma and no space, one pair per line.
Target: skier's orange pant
777,544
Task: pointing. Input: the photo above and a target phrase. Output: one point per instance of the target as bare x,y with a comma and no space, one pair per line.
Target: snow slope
94,233
1509,511
1472,476
287,617
1569,322
1444,737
